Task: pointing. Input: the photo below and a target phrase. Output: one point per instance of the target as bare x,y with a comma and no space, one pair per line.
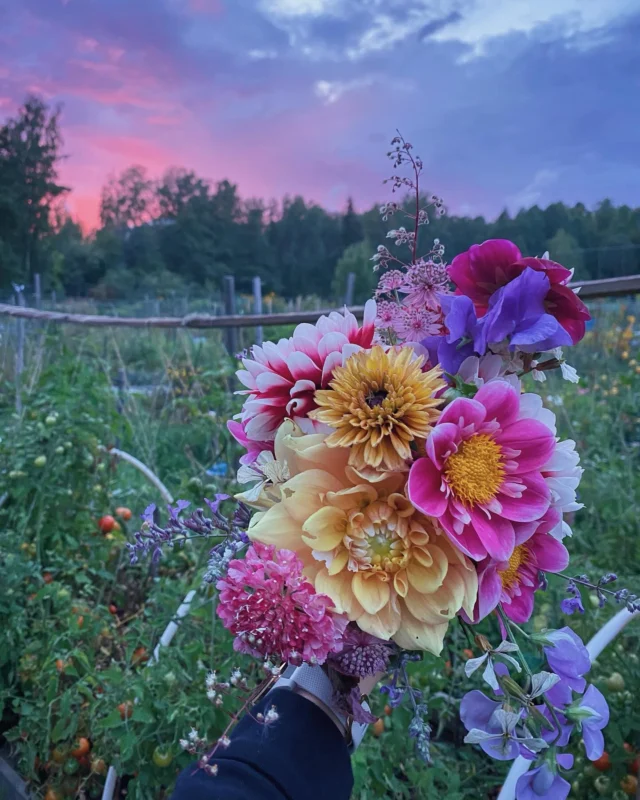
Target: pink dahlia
273,611
486,267
481,477
513,582
282,378
236,429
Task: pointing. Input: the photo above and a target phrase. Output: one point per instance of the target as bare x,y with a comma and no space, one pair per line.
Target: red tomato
124,513
106,523
603,763
82,747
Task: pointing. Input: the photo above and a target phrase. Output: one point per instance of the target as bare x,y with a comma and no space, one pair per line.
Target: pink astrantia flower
513,582
388,313
236,429
282,378
481,477
485,268
424,282
414,324
273,610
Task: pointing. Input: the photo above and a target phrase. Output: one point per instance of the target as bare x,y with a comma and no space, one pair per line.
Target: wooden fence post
19,350
257,306
231,334
37,290
351,285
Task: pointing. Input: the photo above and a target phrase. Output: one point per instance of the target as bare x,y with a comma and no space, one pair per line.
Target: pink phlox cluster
273,610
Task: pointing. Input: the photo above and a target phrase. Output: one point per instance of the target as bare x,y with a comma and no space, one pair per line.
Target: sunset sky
509,102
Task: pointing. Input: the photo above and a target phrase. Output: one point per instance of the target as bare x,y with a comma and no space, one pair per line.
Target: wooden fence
589,290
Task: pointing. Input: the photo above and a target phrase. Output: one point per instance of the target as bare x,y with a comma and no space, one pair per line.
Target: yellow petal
302,495
338,588
415,635
277,527
372,592
326,528
339,562
383,624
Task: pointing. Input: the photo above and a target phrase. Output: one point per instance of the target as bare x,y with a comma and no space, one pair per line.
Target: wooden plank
609,287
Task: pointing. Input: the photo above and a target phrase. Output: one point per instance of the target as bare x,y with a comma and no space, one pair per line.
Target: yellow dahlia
384,564
379,402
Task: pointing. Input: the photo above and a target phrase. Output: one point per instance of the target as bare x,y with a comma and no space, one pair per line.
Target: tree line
182,233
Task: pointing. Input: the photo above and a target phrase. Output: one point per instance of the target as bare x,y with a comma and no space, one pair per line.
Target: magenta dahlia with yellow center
482,476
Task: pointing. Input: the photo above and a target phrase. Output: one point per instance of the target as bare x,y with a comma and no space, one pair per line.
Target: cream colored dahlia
385,565
379,402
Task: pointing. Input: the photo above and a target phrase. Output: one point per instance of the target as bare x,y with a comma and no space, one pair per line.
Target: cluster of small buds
271,669
270,717
574,602
388,210
194,743
402,236
206,767
216,688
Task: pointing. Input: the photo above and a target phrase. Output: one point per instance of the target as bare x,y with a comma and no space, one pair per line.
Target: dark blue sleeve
301,756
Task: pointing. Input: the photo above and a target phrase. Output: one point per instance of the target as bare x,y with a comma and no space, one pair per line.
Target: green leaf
112,720
142,715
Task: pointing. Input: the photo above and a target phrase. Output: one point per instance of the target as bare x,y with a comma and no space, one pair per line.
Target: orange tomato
378,727
113,609
125,709
52,795
47,577
467,653
106,523
82,747
80,621
140,656
603,763
60,665
388,710
124,513
629,785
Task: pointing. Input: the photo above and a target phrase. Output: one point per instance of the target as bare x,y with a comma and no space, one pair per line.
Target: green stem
507,624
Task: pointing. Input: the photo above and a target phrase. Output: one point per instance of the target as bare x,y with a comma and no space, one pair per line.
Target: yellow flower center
476,471
509,576
379,546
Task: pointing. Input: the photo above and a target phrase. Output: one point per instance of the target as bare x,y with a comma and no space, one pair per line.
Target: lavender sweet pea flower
568,657
494,728
517,311
542,783
560,696
592,712
451,349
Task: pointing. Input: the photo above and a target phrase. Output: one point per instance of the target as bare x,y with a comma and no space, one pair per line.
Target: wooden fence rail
589,290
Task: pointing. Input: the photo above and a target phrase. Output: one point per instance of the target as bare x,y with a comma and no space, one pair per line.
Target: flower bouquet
400,476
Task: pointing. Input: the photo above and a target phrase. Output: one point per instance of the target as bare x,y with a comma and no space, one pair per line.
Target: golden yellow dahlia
379,402
384,564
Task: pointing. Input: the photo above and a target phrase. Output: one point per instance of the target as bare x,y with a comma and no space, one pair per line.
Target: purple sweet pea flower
593,713
573,603
493,727
517,311
568,657
451,349
560,696
542,782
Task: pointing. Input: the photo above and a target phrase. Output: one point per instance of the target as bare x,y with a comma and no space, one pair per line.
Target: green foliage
357,259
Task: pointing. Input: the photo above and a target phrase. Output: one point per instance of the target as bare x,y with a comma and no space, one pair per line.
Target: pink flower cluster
274,612
417,314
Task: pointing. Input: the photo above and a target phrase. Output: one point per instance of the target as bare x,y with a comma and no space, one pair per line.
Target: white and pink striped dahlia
282,378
